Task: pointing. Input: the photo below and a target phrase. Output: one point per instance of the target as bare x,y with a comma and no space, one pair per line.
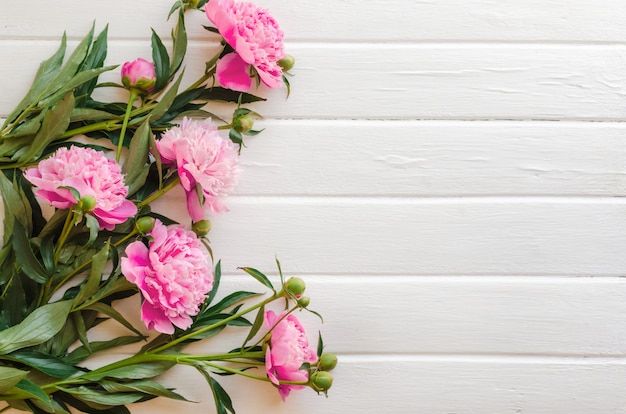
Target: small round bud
328,362
243,123
87,204
295,286
321,380
201,228
304,301
144,224
287,63
139,76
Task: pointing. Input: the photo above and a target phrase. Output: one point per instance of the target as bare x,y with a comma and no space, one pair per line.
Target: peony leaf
222,94
258,322
137,371
79,79
143,386
161,61
48,70
88,114
9,377
13,205
112,313
81,353
38,327
104,398
179,36
34,391
94,60
135,166
48,364
164,104
25,256
258,276
228,301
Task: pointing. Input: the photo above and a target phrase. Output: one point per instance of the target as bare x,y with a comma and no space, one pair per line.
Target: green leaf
81,329
280,272
94,60
89,408
217,277
135,166
258,322
79,79
48,70
168,99
109,311
46,363
9,377
136,371
81,353
320,345
179,36
14,207
55,123
222,94
223,402
88,114
161,62
34,391
258,276
235,136
37,328
90,286
89,395
25,256
228,301
142,386
94,226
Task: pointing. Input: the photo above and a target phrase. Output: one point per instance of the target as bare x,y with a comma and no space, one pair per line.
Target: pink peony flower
288,349
91,174
139,74
205,161
172,274
256,38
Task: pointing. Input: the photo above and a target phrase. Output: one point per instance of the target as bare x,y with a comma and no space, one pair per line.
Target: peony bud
201,228
87,204
321,381
139,75
144,224
295,286
304,301
243,124
287,63
328,362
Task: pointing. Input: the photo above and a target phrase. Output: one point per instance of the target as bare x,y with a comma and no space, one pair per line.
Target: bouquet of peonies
79,176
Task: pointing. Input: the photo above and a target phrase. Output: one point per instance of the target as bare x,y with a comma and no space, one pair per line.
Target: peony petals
232,73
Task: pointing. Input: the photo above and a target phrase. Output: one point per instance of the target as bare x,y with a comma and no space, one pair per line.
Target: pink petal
154,318
232,73
196,212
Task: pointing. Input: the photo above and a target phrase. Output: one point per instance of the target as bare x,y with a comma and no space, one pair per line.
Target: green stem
215,325
129,107
159,193
247,374
67,228
226,357
98,126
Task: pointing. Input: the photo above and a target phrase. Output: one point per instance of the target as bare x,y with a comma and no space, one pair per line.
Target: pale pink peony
256,38
91,174
139,74
288,349
204,159
173,275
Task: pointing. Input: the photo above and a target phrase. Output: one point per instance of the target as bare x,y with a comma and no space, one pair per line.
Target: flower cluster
98,167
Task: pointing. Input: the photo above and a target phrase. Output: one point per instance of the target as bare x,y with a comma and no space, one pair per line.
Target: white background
447,177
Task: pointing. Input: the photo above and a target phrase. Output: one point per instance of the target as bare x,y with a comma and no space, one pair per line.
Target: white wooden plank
432,158
523,316
477,20
433,236
404,81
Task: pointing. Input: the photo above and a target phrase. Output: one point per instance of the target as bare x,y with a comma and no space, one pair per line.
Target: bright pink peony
256,38
288,349
91,174
172,274
139,74
204,159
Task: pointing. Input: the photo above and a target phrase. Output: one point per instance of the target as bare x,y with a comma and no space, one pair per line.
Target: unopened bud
295,286
328,362
139,75
321,380
287,63
201,228
144,224
87,204
243,124
304,301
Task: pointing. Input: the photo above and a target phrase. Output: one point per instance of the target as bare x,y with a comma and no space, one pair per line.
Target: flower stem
67,228
129,107
159,193
215,325
98,126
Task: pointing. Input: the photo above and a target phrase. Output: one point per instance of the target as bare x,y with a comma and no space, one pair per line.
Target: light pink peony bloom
288,349
172,274
139,74
204,159
91,174
256,38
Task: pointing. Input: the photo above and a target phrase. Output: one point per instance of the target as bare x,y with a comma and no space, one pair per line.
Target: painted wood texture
447,175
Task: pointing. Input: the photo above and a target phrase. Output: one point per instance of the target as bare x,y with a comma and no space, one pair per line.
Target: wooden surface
447,175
